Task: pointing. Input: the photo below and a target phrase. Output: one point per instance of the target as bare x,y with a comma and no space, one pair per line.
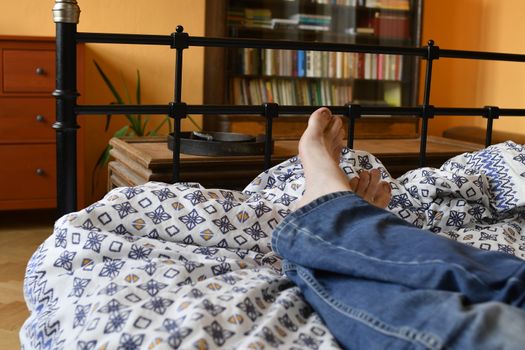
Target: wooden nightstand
139,160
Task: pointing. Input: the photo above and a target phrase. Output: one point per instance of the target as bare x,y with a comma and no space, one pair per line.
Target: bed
163,266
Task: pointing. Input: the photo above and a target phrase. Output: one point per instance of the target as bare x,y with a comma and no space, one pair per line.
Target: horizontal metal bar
145,39
235,109
121,109
512,112
286,110
297,110
481,55
303,45
507,112
113,38
459,111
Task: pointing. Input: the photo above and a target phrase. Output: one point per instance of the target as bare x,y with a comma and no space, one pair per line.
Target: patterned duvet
179,266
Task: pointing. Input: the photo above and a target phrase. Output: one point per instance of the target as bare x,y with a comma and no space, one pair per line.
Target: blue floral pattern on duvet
163,266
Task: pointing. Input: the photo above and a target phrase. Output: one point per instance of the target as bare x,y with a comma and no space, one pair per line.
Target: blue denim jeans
381,283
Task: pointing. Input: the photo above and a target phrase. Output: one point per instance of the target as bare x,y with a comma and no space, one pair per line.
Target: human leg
376,279
319,150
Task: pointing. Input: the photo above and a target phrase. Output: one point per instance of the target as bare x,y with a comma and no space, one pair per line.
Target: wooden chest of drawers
27,113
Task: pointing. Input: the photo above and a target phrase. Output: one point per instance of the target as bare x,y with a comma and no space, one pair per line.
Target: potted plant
196,142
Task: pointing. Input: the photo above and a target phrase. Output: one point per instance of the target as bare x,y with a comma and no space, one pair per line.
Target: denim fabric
381,283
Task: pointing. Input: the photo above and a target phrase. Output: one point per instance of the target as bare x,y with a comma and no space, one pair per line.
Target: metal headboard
66,15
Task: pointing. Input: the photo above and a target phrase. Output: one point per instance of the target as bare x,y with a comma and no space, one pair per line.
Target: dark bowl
223,144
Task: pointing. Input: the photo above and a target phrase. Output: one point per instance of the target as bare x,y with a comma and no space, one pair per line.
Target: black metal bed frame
66,13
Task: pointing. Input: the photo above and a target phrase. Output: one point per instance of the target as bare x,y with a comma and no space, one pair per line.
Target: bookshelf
301,77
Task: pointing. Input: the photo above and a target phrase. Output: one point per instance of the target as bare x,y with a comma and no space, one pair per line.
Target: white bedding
165,266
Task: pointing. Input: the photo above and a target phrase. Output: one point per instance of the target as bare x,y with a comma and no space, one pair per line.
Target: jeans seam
435,261
431,341
299,213
324,201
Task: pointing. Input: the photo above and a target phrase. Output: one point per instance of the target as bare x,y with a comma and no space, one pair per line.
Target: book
236,90
306,18
284,23
391,26
316,64
339,64
309,64
367,66
257,18
394,4
360,30
301,72
322,28
392,93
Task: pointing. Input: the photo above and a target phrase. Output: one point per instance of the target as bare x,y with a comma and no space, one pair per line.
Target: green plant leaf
137,93
139,101
154,132
101,161
194,123
132,120
170,126
103,158
126,91
108,122
135,124
122,131
108,83
108,119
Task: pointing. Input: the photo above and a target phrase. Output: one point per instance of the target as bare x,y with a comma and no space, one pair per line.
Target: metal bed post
427,111
66,14
178,109
353,112
270,111
491,113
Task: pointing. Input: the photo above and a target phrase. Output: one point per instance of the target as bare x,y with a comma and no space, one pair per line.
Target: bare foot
319,150
370,187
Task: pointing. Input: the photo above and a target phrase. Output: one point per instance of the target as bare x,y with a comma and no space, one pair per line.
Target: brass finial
66,11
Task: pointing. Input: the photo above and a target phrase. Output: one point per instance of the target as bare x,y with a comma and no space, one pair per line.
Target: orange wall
156,64
479,25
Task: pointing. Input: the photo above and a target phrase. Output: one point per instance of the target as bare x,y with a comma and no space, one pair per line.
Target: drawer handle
40,118
40,172
40,71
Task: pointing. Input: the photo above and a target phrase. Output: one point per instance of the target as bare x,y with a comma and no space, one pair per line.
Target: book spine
275,91
309,64
262,89
269,94
245,92
372,64
293,67
380,59
236,90
317,64
339,65
300,63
